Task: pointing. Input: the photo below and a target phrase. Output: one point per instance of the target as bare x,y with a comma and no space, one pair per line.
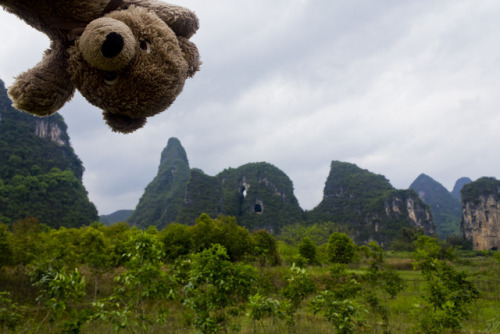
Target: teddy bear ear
123,123
191,54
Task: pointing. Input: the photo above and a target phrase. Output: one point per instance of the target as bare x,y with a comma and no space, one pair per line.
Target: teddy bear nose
107,44
113,45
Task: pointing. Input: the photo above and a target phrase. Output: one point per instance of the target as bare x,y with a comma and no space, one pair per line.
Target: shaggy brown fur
128,57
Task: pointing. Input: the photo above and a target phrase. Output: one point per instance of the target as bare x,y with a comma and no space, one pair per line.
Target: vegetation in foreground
216,277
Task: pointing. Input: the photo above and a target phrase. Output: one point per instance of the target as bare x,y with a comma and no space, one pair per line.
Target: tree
176,240
307,249
266,248
216,287
341,248
5,247
447,295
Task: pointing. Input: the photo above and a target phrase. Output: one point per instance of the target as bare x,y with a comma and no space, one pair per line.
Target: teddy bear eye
110,78
145,45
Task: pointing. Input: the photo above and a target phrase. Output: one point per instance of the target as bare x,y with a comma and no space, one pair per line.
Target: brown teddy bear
128,57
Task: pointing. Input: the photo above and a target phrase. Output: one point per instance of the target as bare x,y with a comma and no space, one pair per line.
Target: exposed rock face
481,213
45,128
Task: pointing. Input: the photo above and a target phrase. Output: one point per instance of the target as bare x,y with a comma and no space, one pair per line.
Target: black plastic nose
113,45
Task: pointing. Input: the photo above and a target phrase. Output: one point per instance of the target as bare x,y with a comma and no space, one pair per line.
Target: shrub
341,248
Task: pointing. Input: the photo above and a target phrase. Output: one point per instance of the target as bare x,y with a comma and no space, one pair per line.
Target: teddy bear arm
181,20
45,88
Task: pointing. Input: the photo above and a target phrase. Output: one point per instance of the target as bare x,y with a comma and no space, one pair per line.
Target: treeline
215,276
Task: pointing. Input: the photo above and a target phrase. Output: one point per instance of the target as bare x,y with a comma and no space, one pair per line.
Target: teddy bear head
132,65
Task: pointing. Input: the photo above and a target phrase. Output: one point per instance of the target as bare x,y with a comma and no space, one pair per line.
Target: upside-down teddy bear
129,58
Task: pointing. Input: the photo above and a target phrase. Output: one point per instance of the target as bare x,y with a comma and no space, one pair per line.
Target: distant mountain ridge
446,208
40,175
260,195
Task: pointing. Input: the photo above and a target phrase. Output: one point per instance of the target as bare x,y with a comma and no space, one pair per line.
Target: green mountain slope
446,209
40,175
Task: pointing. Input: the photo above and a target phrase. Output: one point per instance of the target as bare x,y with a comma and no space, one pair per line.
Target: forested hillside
369,206
40,175
259,195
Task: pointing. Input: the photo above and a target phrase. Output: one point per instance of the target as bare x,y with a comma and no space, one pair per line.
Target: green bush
341,248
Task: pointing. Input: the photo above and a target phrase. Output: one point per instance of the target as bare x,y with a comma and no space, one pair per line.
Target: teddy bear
130,58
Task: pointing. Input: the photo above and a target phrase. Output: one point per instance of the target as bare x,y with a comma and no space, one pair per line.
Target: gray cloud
397,87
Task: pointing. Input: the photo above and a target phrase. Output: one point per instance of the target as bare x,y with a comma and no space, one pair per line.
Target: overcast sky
397,87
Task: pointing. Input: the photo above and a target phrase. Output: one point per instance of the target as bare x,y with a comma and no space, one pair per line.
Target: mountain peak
461,182
173,151
445,208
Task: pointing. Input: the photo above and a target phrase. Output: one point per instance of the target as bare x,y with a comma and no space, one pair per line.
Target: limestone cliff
481,213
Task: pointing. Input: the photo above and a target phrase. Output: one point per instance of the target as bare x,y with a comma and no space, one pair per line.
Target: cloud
397,87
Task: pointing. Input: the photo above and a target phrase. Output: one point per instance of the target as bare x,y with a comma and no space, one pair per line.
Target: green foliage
380,279
207,292
345,315
260,307
428,247
307,249
406,238
56,198
341,248
447,295
224,231
266,249
299,286
11,314
5,247
216,288
144,281
58,288
317,232
176,240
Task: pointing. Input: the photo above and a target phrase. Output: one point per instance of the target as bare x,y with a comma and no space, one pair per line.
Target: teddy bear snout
107,44
113,45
